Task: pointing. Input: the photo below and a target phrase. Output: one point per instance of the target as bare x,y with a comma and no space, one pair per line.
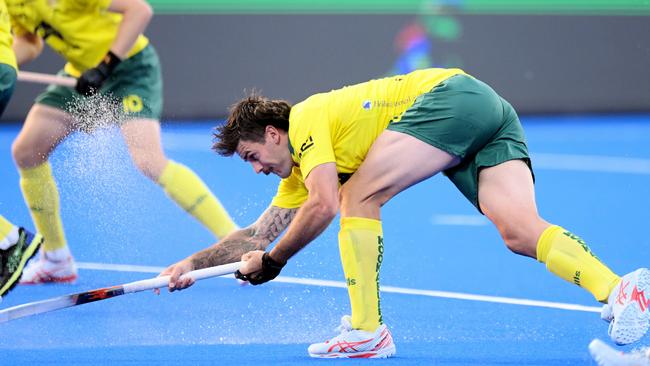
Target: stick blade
37,307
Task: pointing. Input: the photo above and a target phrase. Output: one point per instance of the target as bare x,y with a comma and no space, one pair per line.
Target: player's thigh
394,162
507,197
142,137
44,128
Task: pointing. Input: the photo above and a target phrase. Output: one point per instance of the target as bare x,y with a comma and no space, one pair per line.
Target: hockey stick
39,307
36,77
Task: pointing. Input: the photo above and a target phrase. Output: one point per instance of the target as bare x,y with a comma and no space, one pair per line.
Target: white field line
385,289
591,163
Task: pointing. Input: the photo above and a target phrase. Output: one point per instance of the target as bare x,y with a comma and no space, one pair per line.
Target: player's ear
272,133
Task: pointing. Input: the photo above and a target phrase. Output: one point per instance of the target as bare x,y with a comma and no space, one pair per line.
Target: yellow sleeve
313,137
292,192
88,6
17,29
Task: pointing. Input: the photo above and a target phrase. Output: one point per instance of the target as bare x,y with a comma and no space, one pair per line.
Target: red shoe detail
621,292
639,297
364,355
45,277
386,339
343,346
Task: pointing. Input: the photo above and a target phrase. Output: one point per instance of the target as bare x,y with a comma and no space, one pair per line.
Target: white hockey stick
67,301
36,77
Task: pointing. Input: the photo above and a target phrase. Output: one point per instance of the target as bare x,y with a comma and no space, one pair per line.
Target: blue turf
114,215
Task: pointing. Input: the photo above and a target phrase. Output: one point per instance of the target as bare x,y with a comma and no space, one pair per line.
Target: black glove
270,270
92,79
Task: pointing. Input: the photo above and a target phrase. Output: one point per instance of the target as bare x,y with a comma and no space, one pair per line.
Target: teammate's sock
361,245
569,257
8,233
42,198
188,191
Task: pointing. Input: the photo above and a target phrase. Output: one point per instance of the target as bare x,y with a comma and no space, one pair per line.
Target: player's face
272,156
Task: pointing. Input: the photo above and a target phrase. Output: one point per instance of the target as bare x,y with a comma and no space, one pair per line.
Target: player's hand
258,268
175,271
92,79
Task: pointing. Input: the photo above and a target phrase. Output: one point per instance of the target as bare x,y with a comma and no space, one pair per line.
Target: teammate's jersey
340,126
7,55
82,31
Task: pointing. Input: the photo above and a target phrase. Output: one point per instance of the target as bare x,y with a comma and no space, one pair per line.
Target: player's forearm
258,236
136,15
310,221
229,249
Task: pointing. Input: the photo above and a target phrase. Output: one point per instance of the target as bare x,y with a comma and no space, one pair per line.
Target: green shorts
466,118
7,84
135,88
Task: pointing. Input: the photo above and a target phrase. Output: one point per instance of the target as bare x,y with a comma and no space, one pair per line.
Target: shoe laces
346,324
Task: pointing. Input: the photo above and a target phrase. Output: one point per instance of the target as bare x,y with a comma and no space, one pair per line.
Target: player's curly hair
247,121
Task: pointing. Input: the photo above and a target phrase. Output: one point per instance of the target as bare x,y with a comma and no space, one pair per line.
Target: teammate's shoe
627,308
13,259
51,267
354,343
605,355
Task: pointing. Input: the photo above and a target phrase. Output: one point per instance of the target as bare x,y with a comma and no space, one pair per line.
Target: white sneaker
605,355
354,343
627,308
56,266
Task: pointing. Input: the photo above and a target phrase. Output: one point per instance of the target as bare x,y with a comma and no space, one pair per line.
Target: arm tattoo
255,237
273,222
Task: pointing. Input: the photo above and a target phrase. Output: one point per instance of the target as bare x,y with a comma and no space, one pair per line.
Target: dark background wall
541,63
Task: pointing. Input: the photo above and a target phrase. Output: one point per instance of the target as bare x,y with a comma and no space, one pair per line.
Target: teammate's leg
181,184
44,128
17,246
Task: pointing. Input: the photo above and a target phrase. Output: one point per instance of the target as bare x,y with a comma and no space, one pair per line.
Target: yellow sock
42,198
8,233
361,245
5,227
567,255
188,191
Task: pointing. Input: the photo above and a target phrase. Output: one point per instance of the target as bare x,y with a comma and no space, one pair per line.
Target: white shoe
355,343
627,308
57,266
605,355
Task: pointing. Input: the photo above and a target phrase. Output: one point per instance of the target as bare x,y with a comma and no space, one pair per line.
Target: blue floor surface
592,177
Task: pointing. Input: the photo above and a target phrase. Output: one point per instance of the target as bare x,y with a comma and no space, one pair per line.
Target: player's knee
350,196
518,242
151,168
25,155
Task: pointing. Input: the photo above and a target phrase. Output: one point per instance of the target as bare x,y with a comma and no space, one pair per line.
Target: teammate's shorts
7,84
466,118
135,85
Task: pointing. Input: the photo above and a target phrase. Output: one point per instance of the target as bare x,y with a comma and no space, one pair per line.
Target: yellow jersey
82,31
341,125
7,55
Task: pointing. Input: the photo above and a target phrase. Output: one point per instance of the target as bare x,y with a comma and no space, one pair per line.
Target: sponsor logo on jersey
308,144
